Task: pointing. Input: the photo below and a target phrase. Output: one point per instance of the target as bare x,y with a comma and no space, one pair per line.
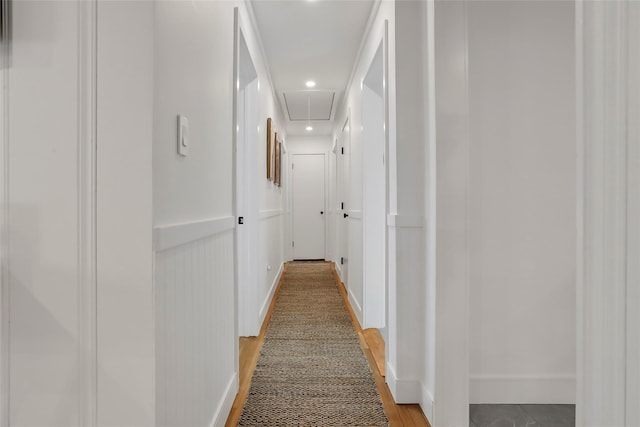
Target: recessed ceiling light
310,83
309,128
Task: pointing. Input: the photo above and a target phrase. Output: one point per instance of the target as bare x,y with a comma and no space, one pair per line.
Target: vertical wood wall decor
269,174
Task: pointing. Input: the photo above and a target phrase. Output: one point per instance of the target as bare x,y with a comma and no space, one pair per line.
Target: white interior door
308,206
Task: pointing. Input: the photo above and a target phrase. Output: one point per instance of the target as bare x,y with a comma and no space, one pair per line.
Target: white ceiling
311,40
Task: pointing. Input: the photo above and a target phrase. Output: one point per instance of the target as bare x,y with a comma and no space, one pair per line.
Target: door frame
246,317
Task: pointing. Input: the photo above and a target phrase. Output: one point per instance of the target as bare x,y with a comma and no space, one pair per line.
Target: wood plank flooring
376,344
399,415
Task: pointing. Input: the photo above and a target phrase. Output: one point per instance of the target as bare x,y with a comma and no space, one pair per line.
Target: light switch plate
183,135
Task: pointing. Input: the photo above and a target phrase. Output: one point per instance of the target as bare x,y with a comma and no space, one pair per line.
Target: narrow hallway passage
315,366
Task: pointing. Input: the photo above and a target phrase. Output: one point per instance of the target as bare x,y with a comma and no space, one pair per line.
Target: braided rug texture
311,370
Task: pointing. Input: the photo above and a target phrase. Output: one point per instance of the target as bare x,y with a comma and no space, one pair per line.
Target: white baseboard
267,302
519,389
224,407
403,390
355,306
339,270
426,403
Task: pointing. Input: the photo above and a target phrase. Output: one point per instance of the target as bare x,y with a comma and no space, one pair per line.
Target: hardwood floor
399,415
376,344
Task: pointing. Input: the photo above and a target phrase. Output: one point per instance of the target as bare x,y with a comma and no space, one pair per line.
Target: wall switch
183,135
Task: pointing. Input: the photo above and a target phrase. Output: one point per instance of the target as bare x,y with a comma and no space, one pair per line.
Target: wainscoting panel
195,343
271,259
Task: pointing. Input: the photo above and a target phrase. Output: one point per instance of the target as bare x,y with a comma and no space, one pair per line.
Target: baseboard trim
224,407
339,270
169,236
520,389
355,306
403,390
267,301
426,403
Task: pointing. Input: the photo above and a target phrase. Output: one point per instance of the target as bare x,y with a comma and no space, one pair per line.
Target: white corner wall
269,199
195,337
77,296
446,367
406,164
125,328
522,202
47,195
608,68
503,295
194,214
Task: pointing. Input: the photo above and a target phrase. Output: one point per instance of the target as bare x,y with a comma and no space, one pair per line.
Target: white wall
125,339
76,235
502,301
406,164
447,323
406,220
309,144
196,378
522,202
41,177
269,208
194,212
608,66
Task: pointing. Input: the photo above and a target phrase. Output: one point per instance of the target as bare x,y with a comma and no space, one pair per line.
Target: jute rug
311,370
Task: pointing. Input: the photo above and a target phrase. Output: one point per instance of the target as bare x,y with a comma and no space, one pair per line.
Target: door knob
321,212
346,215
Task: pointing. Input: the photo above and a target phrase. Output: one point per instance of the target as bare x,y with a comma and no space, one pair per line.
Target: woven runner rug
311,370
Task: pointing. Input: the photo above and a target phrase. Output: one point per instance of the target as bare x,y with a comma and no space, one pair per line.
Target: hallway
469,168
315,409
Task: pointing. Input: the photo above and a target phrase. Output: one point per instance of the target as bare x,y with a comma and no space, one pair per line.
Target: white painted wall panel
268,205
354,258
522,202
195,317
608,211
125,321
271,260
450,289
406,57
194,300
408,158
374,199
42,175
193,72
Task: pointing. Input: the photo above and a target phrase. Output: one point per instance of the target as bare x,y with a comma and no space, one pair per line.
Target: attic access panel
303,105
